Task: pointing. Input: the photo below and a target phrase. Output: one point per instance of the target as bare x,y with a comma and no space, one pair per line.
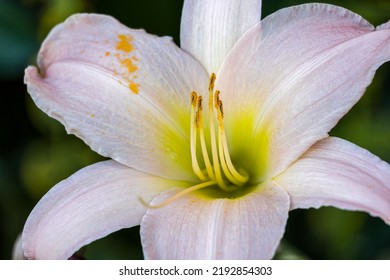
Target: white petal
92,203
337,173
290,79
124,92
210,28
197,227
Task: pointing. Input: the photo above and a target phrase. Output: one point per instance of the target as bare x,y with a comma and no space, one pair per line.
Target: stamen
237,176
222,157
214,152
209,167
180,194
227,166
219,168
194,125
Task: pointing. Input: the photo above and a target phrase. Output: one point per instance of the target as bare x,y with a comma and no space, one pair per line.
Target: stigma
212,163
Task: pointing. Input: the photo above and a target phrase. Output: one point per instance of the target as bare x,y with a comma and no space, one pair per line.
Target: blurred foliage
56,11
17,37
36,152
63,154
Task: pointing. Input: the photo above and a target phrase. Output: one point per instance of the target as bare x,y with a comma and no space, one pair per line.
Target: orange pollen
124,43
134,87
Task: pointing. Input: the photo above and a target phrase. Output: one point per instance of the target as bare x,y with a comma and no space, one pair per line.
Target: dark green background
36,153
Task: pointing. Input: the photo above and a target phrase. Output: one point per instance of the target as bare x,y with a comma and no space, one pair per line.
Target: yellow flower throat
218,167
219,170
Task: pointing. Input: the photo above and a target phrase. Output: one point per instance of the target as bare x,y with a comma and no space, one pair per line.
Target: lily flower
211,144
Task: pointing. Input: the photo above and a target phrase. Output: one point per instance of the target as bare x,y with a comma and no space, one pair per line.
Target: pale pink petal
209,29
92,203
124,92
198,227
335,172
291,78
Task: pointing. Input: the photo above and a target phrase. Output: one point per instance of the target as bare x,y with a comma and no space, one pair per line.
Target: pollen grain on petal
124,43
134,87
126,61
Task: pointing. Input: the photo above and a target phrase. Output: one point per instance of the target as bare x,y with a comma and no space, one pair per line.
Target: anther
194,98
212,81
199,113
200,103
220,108
216,99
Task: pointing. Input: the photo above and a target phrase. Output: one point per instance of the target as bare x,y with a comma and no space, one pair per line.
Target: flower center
218,168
